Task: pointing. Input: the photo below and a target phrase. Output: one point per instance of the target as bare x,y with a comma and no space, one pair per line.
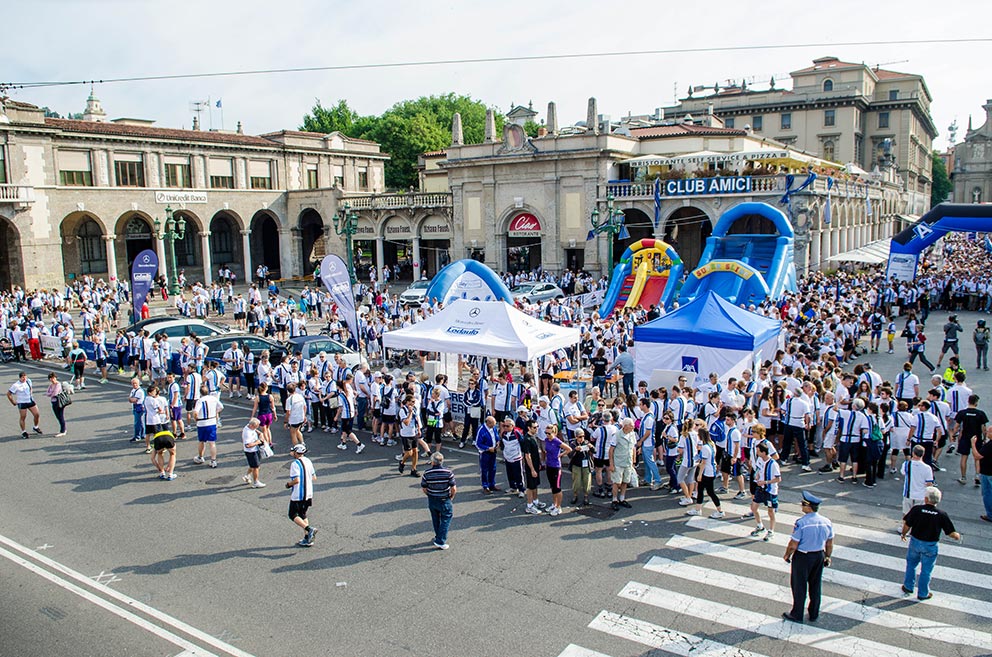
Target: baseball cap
299,449
522,409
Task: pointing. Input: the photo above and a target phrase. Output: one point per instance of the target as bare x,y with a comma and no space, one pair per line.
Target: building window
221,171
828,150
729,122
312,180
883,119
338,172
757,123
129,173
829,117
74,169
260,174
363,178
221,242
3,168
828,85
786,121
178,175
92,248
893,94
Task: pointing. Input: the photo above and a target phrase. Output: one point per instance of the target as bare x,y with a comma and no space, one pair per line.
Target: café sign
708,186
525,225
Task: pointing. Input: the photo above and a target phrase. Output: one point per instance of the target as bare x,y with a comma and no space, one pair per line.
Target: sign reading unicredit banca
524,225
704,186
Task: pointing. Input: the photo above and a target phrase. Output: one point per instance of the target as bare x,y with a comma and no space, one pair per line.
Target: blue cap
811,498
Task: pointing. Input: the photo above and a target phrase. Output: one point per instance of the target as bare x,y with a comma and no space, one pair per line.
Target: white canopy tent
873,253
483,328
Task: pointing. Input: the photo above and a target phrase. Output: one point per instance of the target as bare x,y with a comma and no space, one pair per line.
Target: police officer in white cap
809,552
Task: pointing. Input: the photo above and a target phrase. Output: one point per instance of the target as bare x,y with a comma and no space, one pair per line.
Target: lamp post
612,224
174,230
346,223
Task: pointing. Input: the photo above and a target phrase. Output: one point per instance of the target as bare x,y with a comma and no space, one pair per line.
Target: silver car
536,292
414,295
178,328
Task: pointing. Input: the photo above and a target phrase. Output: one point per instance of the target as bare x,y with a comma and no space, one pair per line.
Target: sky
57,40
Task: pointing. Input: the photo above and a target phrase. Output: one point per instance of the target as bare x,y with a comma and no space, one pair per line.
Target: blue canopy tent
708,334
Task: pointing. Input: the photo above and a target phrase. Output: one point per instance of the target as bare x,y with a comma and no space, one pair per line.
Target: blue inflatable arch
776,216
906,246
468,279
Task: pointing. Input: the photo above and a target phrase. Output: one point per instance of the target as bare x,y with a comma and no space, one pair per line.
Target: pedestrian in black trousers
809,552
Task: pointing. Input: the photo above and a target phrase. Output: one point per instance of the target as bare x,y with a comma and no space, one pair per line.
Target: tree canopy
941,187
406,129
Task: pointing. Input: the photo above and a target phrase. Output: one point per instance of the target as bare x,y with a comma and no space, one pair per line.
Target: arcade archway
265,243
11,265
312,232
686,230
136,232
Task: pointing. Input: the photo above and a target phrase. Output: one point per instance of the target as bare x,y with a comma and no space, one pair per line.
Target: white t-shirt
766,470
155,410
576,409
22,391
249,436
917,475
207,409
296,408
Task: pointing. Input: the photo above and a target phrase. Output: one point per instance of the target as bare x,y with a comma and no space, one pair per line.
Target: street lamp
174,230
346,223
612,224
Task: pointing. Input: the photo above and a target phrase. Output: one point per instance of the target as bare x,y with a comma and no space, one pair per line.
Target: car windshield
522,289
420,285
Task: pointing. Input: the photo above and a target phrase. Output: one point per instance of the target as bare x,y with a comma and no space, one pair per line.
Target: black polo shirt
971,421
926,522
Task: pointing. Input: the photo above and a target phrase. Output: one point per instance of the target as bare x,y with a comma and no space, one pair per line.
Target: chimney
552,121
456,130
196,123
542,132
592,117
241,130
490,134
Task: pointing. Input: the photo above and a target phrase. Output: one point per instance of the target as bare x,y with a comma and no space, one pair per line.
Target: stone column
163,264
287,247
205,248
815,245
111,256
418,268
380,256
246,249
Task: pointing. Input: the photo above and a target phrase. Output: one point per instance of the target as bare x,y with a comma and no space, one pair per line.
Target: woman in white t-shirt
902,422
706,475
251,441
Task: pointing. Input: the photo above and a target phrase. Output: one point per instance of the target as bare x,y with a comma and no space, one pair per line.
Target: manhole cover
596,511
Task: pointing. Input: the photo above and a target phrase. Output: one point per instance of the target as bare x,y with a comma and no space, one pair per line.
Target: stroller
6,350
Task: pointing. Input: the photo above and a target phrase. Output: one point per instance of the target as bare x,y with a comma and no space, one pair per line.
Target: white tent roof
873,253
483,328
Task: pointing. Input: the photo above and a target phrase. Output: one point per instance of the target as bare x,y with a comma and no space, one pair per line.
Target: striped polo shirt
438,481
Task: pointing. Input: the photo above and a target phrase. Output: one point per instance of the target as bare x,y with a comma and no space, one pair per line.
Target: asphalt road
206,565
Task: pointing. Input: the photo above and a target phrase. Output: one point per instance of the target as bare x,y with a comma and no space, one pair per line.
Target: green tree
531,128
406,129
337,118
941,187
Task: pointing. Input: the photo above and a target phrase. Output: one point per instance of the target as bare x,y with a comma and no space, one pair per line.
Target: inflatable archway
468,279
648,273
905,249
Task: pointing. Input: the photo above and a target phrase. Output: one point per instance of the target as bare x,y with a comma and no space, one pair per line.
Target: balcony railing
398,201
16,194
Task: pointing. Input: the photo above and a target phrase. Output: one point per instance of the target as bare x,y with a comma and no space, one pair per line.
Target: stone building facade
86,196
971,171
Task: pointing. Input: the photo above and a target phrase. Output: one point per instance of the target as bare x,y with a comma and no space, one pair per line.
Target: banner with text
143,272
336,278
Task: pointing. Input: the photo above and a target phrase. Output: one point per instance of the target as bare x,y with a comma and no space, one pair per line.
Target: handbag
265,451
63,399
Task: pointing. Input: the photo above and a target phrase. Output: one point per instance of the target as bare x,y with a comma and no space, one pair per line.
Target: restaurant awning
873,253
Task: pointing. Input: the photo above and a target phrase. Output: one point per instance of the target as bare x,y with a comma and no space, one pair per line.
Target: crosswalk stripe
919,627
776,628
663,638
891,589
944,573
572,650
872,535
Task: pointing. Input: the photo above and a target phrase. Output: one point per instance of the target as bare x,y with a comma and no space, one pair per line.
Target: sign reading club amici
708,186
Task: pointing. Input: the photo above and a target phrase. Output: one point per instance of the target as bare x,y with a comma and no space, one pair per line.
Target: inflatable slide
745,268
647,275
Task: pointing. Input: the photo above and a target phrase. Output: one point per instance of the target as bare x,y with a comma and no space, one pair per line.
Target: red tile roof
684,130
826,64
883,74
123,130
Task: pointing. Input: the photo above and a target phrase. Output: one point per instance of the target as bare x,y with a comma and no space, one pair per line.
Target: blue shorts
876,334
207,434
762,496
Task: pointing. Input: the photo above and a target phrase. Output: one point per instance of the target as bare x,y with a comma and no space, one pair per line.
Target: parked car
537,292
217,345
177,328
311,345
414,295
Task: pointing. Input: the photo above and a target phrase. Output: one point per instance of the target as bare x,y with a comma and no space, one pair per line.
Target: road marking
571,650
106,578
663,638
160,632
923,628
757,623
886,538
162,617
898,564
44,547
843,578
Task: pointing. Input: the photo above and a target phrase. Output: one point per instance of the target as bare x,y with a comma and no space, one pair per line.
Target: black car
217,345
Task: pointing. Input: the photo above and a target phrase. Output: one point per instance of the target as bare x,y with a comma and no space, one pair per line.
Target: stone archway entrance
138,236
311,232
265,243
686,230
11,264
